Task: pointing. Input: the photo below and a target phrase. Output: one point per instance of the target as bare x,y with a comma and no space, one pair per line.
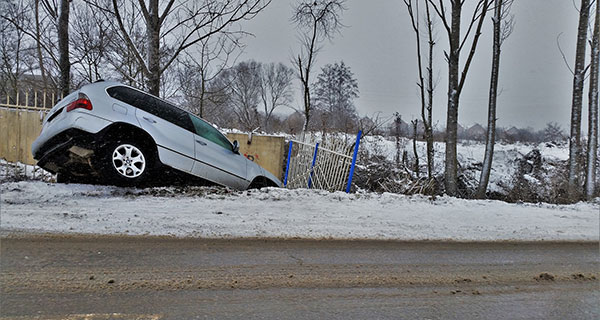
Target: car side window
152,105
208,132
172,114
131,97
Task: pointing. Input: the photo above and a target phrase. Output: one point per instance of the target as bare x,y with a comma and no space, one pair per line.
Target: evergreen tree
335,91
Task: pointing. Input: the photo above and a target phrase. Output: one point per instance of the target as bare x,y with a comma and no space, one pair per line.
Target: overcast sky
378,45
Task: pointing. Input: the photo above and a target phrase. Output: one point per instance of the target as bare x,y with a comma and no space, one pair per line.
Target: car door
215,159
168,125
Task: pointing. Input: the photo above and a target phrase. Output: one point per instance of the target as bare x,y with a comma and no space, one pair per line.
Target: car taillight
83,102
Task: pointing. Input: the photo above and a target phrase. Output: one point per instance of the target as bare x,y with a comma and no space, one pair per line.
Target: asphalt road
66,277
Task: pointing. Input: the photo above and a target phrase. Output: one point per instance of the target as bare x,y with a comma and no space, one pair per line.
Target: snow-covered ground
11,171
310,214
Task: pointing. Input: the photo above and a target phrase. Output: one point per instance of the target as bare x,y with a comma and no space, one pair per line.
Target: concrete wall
266,151
18,129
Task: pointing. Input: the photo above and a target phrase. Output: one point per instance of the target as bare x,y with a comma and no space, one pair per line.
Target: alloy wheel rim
129,161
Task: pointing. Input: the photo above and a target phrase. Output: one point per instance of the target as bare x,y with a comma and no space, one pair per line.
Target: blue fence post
313,165
287,167
358,136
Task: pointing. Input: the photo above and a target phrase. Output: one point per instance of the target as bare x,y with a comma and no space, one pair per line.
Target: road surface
109,277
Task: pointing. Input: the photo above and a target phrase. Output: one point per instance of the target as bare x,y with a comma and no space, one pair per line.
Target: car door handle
201,142
149,119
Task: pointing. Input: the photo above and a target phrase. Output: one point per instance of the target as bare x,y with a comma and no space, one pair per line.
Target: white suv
123,136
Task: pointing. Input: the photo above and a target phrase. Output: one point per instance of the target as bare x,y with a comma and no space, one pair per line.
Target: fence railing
21,116
30,100
326,164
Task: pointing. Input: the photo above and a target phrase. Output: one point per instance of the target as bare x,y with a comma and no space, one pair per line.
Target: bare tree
578,79
590,178
180,26
121,58
275,89
201,67
244,93
12,43
40,24
426,98
456,76
316,20
503,23
218,108
89,39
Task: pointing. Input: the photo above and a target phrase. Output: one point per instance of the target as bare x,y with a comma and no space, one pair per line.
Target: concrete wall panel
266,151
19,128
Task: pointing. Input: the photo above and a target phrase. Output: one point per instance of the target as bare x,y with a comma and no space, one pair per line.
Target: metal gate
326,163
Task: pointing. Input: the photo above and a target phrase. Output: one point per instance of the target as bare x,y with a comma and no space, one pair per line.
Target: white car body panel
168,136
220,165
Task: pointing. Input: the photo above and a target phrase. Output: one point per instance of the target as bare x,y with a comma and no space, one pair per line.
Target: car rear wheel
127,163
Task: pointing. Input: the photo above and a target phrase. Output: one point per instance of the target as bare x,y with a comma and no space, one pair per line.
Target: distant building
461,132
513,132
402,127
476,132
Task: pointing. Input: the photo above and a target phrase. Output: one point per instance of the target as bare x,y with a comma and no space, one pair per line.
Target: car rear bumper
61,125
70,150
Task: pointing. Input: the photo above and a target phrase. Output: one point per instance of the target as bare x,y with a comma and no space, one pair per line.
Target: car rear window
152,105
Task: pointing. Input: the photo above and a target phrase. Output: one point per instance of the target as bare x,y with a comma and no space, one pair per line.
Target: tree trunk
153,32
415,133
397,122
491,128
429,121
574,191
590,178
202,92
38,41
63,48
307,106
451,176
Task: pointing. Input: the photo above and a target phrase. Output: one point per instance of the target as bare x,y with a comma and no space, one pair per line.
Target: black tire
65,177
126,162
261,182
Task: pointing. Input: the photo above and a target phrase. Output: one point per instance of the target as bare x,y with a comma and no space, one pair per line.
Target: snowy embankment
41,207
470,157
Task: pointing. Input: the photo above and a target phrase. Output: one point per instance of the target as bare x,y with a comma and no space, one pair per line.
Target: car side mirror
236,147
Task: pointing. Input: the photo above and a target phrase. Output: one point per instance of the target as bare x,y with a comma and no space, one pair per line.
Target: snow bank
470,155
17,171
311,214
